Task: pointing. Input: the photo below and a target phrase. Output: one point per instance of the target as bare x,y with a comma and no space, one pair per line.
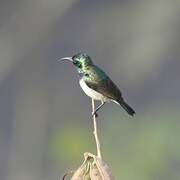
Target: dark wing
110,90
106,87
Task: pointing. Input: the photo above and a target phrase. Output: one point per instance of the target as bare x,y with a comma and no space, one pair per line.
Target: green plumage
97,79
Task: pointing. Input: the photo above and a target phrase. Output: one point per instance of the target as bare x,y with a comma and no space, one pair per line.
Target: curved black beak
66,59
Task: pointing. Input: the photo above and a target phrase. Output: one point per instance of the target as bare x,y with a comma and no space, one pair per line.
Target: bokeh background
45,118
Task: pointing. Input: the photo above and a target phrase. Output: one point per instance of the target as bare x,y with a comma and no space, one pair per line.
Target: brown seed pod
94,172
93,168
104,170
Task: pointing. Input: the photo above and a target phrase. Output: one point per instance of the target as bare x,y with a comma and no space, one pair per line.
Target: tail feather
126,107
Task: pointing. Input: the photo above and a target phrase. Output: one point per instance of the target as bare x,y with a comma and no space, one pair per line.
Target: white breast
90,92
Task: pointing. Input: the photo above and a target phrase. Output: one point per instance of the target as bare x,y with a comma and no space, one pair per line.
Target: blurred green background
45,118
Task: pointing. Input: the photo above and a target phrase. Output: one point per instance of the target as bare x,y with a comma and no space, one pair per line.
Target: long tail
126,107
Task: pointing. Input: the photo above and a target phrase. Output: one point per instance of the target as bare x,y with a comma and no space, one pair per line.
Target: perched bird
96,83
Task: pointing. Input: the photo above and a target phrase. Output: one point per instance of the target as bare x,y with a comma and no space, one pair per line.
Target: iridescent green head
81,61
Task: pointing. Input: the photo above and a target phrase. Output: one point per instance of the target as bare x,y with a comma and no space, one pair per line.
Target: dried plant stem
95,131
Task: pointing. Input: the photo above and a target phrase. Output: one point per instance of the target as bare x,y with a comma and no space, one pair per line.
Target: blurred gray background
45,118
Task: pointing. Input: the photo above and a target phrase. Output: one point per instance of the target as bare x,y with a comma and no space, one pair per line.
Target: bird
96,83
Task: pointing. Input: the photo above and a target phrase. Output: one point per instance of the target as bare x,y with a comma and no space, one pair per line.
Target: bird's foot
94,114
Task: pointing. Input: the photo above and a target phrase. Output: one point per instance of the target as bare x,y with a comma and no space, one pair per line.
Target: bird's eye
77,64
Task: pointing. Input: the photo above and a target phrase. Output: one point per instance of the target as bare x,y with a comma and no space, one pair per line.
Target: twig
95,131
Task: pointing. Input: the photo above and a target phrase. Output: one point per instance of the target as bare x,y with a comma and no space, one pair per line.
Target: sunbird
96,83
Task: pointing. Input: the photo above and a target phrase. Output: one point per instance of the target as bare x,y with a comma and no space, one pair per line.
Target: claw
94,114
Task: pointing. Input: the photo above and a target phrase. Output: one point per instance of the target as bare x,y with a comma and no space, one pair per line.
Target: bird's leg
95,112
